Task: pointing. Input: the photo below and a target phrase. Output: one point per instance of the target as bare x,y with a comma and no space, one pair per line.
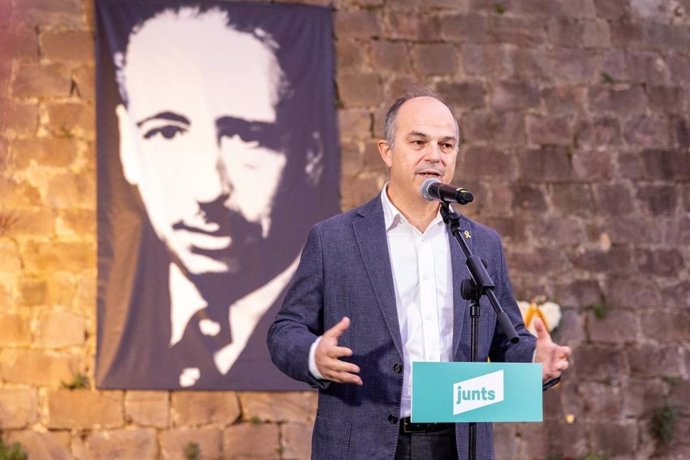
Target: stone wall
575,115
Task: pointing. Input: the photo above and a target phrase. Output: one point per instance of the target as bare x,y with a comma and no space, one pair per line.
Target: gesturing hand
553,357
328,354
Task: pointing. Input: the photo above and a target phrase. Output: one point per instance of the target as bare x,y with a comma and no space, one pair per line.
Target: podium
469,392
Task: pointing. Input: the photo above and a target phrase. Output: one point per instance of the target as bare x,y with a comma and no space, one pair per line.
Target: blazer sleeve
300,319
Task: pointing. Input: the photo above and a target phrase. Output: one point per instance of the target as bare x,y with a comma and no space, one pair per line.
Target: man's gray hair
392,114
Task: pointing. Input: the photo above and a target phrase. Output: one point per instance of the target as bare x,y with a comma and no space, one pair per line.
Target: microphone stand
472,289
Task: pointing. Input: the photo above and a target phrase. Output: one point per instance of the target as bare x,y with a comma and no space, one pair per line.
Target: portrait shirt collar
393,217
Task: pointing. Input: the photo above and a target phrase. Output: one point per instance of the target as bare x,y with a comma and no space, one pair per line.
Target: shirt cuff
312,359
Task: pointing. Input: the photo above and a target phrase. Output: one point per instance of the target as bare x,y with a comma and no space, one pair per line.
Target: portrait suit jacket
345,271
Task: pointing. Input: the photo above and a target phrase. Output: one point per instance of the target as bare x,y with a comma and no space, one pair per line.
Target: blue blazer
345,271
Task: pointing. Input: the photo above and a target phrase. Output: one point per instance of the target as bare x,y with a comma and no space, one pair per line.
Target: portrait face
198,135
425,146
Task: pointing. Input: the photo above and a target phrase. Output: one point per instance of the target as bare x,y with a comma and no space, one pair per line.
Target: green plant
500,9
255,420
79,381
608,79
600,310
192,451
12,452
662,424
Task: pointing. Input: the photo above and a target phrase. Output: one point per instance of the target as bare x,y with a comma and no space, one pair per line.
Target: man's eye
167,131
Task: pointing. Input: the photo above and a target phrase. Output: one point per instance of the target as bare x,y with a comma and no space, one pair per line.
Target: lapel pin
467,234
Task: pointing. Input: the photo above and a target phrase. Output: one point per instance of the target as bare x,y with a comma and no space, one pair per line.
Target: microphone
433,189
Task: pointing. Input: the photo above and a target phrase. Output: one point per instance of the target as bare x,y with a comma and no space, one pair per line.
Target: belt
406,426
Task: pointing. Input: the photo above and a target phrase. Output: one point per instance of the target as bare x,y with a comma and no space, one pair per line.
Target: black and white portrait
217,150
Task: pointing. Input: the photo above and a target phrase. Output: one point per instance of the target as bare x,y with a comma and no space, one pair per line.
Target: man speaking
377,288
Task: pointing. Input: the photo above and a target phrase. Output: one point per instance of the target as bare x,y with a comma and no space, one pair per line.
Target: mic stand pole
473,289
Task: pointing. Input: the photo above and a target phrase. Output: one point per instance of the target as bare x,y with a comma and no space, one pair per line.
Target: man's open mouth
430,174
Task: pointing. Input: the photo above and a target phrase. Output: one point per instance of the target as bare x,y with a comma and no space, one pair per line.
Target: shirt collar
393,217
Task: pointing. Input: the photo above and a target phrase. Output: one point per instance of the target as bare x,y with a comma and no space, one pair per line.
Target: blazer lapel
460,272
370,234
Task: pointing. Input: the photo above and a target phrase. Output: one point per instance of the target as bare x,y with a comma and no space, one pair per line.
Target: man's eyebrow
164,116
417,134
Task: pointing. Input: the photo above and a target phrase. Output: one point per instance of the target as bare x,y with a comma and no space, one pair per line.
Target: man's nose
433,152
211,181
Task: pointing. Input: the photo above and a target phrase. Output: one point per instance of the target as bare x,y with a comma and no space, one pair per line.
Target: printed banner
217,151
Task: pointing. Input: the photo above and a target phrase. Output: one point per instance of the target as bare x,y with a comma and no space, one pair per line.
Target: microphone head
424,189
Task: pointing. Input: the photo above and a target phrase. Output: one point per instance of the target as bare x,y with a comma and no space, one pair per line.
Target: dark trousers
433,445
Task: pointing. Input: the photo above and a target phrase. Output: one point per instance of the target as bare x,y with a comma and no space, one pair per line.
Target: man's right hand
328,354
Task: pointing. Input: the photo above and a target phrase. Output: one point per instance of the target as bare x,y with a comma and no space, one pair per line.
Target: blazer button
397,368
392,419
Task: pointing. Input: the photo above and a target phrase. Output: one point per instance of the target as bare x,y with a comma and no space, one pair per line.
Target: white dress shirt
422,278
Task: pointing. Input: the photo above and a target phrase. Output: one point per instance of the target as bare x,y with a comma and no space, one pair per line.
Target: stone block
20,44
679,396
487,61
363,23
665,165
675,296
565,31
519,31
34,291
204,407
44,152
667,326
69,45
539,260
563,230
18,408
614,439
485,162
71,118
617,327
64,13
620,100
464,27
390,57
296,440
462,95
73,223
625,292
84,83
573,65
57,329
598,133
578,293
563,100
372,161
596,34
527,64
351,158
148,408
42,80
668,99
659,262
175,442
647,67
514,95
358,191
679,69
58,256
435,59
15,330
545,165
549,130
625,33
351,55
654,361
21,119
70,190
405,26
36,367
680,131
665,37
617,259
507,128
10,259
255,440
571,199
19,192
360,90
641,395
68,409
658,200
279,406
42,445
613,199
131,443
528,199
598,364
571,330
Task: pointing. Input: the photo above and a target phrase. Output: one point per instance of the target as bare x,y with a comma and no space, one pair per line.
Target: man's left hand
553,357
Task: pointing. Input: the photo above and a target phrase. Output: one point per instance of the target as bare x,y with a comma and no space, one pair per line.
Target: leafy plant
192,451
12,452
662,424
608,79
79,381
600,310
500,9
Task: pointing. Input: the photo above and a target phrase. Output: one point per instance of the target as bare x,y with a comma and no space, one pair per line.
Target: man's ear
128,146
385,152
